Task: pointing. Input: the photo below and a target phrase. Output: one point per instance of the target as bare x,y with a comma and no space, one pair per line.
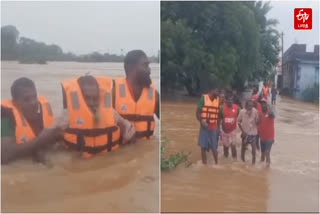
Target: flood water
124,180
290,184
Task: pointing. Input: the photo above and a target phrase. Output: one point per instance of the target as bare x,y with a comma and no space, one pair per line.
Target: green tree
9,42
269,42
205,43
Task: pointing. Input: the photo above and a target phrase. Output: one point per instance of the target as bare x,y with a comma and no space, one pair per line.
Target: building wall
306,75
286,76
289,73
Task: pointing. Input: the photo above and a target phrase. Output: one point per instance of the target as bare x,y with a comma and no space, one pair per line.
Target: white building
300,70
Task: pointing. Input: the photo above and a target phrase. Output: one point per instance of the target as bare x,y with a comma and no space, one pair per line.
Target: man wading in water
248,121
94,126
266,131
27,124
228,115
207,114
135,96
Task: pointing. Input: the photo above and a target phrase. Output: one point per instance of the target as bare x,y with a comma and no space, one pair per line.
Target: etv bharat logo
302,18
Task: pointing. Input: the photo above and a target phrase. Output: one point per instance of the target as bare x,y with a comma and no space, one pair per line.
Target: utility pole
281,61
281,45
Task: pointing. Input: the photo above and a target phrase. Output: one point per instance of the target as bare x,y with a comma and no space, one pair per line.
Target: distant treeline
27,50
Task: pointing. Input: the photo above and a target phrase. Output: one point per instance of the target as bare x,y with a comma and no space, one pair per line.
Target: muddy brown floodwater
291,183
124,180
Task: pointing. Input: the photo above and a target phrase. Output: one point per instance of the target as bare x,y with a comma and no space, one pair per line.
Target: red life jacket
230,115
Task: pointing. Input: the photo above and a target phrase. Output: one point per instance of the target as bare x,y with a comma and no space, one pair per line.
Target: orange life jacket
210,109
265,91
140,112
23,130
83,133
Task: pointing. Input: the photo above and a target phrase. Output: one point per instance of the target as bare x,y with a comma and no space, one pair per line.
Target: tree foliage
222,43
9,42
29,49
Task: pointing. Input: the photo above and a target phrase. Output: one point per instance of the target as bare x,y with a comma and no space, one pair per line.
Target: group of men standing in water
220,113
100,113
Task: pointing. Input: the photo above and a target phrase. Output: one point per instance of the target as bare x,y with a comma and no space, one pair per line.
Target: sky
84,27
284,12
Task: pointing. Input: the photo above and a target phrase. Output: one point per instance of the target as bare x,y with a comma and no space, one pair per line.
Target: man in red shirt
228,115
266,131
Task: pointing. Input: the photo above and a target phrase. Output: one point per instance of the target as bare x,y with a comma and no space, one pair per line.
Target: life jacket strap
92,132
136,117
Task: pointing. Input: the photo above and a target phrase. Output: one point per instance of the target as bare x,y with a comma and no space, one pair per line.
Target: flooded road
124,180
291,183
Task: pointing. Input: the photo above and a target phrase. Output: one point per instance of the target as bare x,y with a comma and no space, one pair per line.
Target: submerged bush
173,159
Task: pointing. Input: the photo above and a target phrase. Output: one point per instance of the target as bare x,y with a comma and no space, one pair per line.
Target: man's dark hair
229,95
249,101
87,80
19,85
132,58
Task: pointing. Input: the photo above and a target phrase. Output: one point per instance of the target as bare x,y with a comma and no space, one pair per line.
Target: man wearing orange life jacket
94,126
265,90
136,98
27,123
208,116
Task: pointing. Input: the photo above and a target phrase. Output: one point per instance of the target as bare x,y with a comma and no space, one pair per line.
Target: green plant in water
173,159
